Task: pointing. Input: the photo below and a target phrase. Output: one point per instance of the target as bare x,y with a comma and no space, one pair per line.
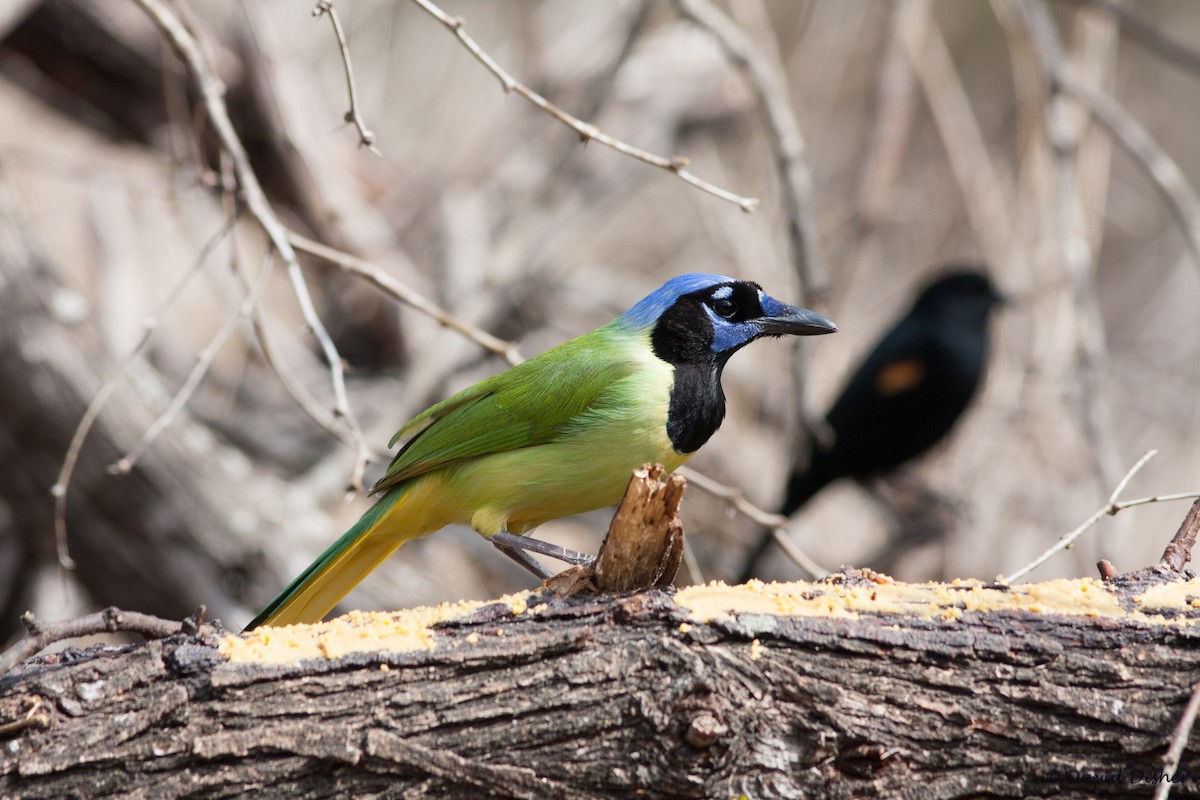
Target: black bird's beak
785,319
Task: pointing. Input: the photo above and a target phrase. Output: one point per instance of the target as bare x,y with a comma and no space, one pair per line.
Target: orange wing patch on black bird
900,376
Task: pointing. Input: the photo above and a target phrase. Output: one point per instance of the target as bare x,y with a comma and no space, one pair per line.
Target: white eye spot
722,292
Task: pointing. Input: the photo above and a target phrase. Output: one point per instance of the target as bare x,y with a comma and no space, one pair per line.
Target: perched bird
559,434
905,397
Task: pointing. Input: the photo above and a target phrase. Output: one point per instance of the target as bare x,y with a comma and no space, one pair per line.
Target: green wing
530,404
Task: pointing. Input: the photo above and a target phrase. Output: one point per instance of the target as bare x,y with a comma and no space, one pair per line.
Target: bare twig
775,522
587,132
111,620
296,388
1108,509
760,62
814,570
1157,42
212,93
733,496
1178,551
1157,498
30,716
385,282
203,361
1180,196
1179,740
353,437
150,325
303,397
366,138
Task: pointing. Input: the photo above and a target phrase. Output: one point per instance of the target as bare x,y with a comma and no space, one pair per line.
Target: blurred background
932,132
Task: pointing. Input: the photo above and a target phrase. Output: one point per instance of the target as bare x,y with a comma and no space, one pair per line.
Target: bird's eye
725,307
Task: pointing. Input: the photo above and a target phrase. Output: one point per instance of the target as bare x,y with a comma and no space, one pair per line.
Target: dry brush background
932,134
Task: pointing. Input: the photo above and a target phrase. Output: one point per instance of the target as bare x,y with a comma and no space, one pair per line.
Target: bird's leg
525,560
514,541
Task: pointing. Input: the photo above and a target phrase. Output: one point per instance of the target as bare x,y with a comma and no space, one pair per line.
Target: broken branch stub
1179,551
644,543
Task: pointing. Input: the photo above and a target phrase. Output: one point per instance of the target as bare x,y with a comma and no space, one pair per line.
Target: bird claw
519,547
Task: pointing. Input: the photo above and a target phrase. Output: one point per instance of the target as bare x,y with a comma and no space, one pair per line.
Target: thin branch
587,132
814,570
296,388
111,620
212,93
1112,498
149,325
735,498
366,138
761,65
1108,509
775,522
203,361
1179,740
1178,551
1180,196
1158,498
30,717
303,397
1156,42
389,285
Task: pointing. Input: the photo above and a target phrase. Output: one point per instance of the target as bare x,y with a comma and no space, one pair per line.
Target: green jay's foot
519,547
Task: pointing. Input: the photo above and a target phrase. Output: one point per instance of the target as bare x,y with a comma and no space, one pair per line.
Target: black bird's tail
802,485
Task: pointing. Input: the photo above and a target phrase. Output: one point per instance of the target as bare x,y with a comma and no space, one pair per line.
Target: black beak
796,321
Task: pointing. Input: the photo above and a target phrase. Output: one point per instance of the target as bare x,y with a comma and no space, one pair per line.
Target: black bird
907,394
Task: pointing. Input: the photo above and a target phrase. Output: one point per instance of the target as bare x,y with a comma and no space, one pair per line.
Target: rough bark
620,697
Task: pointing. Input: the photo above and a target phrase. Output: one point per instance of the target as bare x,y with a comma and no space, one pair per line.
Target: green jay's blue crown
651,307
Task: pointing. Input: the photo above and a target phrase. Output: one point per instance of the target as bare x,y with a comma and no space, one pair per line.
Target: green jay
556,435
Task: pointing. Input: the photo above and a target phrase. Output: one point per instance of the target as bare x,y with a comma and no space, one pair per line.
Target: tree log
852,687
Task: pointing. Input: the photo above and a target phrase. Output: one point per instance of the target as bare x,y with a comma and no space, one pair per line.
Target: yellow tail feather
405,513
